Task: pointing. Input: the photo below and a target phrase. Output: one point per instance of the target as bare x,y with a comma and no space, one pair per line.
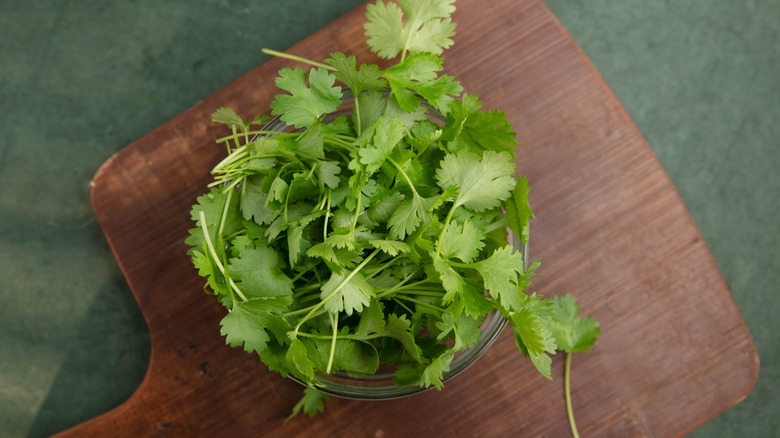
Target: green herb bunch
371,231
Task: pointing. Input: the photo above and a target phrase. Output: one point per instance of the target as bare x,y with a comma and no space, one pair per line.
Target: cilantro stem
567,389
400,285
234,156
411,312
297,58
406,177
335,290
327,216
443,230
356,116
421,292
357,212
299,275
377,270
235,136
419,303
225,212
215,257
501,223
273,133
340,142
334,321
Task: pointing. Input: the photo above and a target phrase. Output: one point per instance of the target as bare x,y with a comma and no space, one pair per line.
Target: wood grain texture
674,351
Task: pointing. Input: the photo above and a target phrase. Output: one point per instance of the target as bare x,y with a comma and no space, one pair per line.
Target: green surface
81,80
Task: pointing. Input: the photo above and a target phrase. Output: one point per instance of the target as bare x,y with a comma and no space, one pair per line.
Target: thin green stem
225,211
215,257
357,212
327,217
501,223
443,230
400,285
403,305
299,275
248,133
234,156
337,141
334,321
419,303
297,58
235,136
372,273
356,116
567,389
406,177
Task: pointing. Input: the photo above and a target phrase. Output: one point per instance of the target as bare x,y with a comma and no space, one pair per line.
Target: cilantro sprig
370,222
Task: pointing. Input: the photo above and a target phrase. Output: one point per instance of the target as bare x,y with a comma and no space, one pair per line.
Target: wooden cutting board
611,229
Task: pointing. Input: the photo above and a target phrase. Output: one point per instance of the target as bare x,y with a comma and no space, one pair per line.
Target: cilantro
375,230
311,403
573,334
427,27
306,104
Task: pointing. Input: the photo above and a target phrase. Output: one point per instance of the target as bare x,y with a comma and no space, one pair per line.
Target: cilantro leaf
381,210
387,134
532,333
371,323
256,272
249,324
305,104
418,74
311,403
337,258
399,328
407,217
367,77
465,330
427,27
298,361
572,333
391,247
208,270
310,144
346,294
253,201
491,130
518,212
228,117
434,372
482,183
500,272
462,241
459,111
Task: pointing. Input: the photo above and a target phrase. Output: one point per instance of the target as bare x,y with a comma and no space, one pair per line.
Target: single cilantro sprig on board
573,334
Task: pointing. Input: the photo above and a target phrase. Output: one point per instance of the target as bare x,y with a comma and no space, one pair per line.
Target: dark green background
79,80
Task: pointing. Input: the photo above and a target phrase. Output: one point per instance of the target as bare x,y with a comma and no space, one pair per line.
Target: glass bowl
380,386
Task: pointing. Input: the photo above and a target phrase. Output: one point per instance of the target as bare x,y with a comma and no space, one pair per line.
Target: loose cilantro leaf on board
574,333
